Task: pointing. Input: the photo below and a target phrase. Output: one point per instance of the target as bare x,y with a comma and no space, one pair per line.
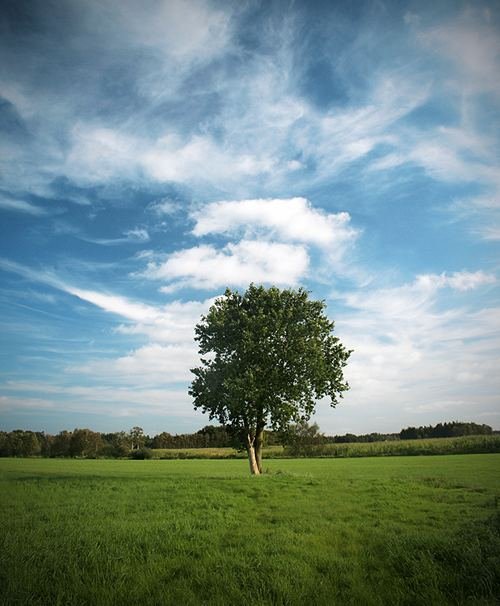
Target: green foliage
207,437
137,438
60,444
117,444
141,454
302,434
85,443
445,430
373,532
267,356
20,443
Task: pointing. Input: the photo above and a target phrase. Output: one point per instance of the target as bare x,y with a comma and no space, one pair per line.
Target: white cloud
163,207
171,323
100,154
465,52
174,323
21,206
235,265
339,138
482,214
455,155
462,281
491,232
112,399
446,159
291,219
115,304
182,30
151,364
405,301
137,235
473,46
265,129
419,345
200,158
8,403
389,161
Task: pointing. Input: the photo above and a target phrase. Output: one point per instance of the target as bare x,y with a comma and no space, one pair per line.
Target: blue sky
154,153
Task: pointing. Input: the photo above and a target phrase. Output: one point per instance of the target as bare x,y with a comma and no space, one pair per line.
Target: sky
154,153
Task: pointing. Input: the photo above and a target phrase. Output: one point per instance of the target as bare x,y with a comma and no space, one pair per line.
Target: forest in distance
303,439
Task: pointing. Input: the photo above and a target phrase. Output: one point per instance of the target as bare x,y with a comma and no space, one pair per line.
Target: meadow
364,531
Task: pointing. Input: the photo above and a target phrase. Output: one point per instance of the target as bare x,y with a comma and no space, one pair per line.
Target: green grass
371,531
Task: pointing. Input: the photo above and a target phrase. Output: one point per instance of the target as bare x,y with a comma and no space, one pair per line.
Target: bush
141,454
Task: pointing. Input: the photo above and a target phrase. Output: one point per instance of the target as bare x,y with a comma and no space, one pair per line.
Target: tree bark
252,459
259,440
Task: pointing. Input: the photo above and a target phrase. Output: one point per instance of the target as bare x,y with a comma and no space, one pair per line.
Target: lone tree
270,354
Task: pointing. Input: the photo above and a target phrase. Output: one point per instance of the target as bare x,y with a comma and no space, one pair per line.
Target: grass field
370,531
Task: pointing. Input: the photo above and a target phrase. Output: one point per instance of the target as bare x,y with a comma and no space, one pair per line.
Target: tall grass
432,446
211,453
374,531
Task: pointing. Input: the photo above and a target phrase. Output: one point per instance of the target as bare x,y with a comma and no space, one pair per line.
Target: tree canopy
267,356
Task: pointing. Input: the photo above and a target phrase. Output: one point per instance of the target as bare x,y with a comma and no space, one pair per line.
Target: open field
370,531
431,446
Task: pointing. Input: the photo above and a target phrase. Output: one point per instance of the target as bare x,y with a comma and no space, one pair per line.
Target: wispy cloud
417,346
491,232
111,303
163,207
133,236
21,206
182,30
471,44
461,148
155,363
172,322
110,400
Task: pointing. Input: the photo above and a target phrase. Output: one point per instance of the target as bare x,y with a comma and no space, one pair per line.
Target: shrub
141,454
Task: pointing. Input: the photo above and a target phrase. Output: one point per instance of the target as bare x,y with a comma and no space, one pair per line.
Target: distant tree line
136,444
91,444
304,433
445,430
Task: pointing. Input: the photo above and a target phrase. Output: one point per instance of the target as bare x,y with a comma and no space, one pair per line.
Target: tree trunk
259,440
252,459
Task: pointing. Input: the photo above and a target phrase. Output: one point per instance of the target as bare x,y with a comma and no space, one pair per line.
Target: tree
20,443
137,437
60,446
304,434
117,444
270,354
85,443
